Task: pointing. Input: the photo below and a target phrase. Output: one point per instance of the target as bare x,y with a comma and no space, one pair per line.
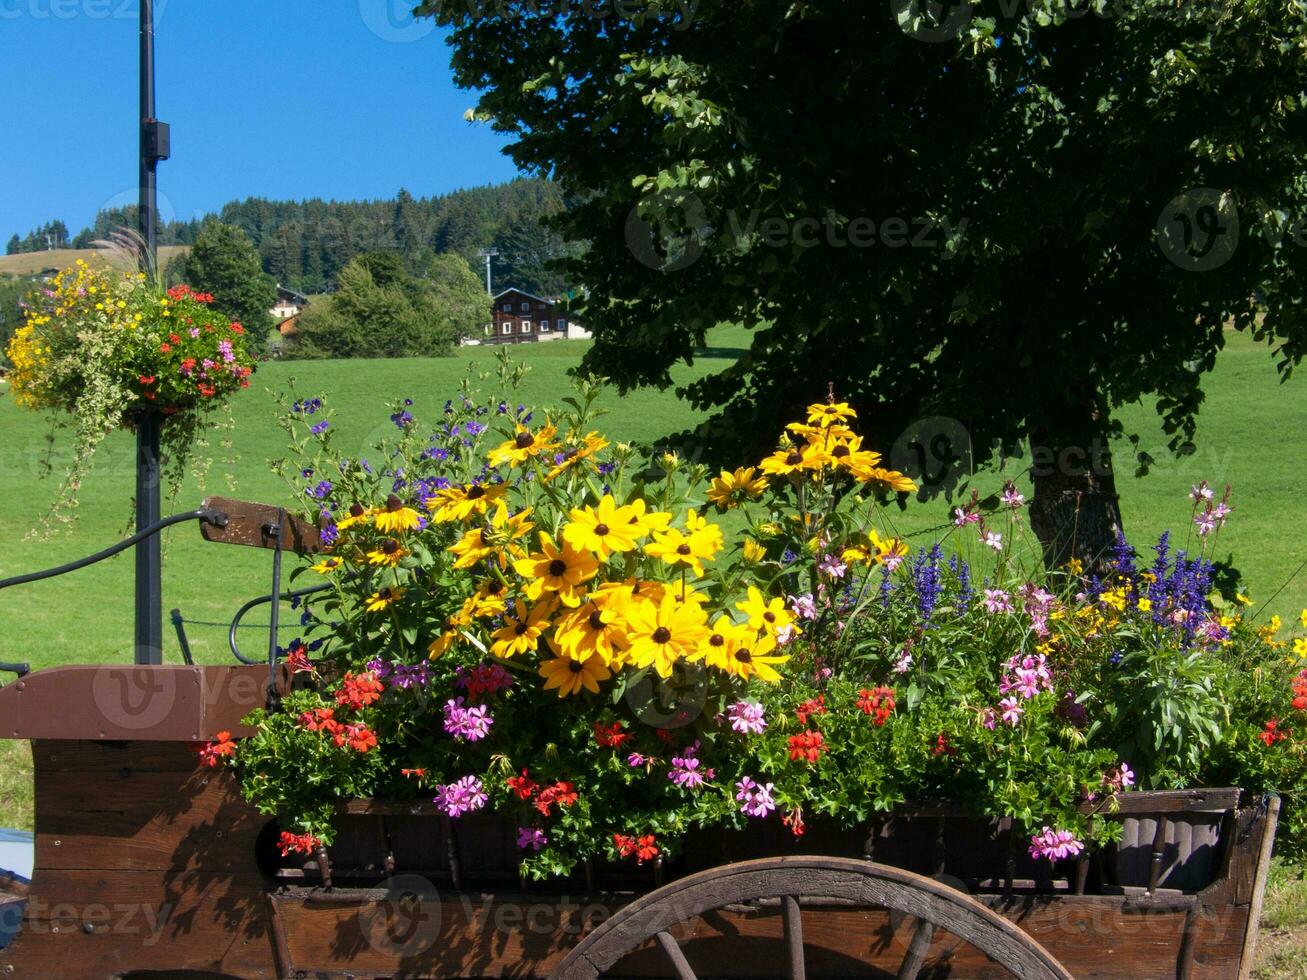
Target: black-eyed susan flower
848,454
441,644
465,502
396,517
758,661
724,637
524,445
664,634
690,550
569,676
590,444
593,629
558,570
731,489
765,614
603,529
384,599
826,415
522,629
753,551
883,479
794,459
327,565
389,553
357,514
645,521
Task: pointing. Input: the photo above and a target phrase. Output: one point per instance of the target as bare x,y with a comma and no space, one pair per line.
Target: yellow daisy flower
462,503
723,639
730,489
396,516
794,459
883,479
753,551
826,415
383,599
327,566
389,553
759,662
592,629
569,675
553,569
358,514
663,634
603,529
764,614
523,446
521,630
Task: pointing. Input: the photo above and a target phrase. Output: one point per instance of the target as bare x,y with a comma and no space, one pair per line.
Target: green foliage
52,234
224,262
972,677
12,292
380,310
1014,173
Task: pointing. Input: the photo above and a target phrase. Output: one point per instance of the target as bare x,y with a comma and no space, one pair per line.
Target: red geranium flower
877,702
813,706
562,793
643,848
146,379
290,843
807,746
237,328
942,746
359,690
611,736
524,786
220,748
165,348
1270,733
320,720
360,738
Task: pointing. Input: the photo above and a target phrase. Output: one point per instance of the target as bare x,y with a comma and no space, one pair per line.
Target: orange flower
220,748
359,690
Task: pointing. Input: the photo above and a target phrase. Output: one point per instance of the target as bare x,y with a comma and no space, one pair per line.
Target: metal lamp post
149,557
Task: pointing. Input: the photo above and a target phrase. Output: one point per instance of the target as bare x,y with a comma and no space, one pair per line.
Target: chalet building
519,317
289,303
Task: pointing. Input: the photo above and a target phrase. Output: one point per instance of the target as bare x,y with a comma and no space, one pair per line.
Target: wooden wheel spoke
915,958
672,949
840,882
794,937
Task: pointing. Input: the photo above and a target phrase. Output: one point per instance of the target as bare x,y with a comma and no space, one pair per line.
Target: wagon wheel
789,879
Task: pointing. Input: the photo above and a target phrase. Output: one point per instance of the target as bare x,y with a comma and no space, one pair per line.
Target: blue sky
342,99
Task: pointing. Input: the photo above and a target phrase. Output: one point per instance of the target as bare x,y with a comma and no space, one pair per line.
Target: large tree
380,310
225,263
1000,220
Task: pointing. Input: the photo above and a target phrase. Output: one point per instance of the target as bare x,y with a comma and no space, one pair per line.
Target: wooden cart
149,865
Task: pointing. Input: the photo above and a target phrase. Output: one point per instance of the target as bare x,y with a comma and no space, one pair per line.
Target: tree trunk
1075,511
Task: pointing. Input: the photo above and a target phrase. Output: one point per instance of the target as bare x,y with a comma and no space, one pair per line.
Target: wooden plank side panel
131,703
456,935
146,821
82,925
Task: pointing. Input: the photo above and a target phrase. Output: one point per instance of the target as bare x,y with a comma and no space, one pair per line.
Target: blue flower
322,490
402,420
320,427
